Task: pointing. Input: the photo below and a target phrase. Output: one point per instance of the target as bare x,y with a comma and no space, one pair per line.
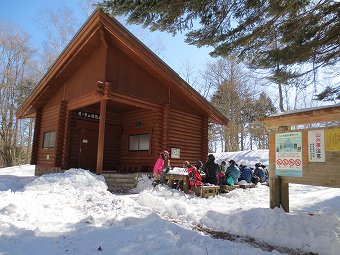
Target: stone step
117,181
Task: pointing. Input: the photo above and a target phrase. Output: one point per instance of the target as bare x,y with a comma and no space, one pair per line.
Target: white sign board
316,146
175,153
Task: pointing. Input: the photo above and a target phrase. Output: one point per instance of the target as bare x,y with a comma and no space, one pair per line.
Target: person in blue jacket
233,171
246,173
259,171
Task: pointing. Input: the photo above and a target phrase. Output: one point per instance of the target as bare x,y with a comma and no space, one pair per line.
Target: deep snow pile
246,213
55,202
73,213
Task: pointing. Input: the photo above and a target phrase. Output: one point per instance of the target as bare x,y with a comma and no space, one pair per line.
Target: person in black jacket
211,169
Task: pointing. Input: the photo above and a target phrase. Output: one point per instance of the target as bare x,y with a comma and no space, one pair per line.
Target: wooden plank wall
131,78
49,122
113,137
314,173
151,124
84,80
73,143
185,132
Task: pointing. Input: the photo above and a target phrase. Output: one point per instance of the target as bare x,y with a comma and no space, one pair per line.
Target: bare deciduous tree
16,78
59,26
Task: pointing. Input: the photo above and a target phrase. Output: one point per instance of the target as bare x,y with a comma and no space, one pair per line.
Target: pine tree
268,34
262,107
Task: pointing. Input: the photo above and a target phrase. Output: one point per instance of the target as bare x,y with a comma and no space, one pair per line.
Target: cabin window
139,142
49,139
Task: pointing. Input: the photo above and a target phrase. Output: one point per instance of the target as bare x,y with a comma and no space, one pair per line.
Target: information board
288,150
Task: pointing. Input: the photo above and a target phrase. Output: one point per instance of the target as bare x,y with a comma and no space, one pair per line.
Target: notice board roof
304,116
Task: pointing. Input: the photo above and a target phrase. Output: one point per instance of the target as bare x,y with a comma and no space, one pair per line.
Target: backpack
229,180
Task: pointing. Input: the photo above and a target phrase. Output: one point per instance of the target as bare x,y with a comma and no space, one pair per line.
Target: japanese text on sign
316,146
88,115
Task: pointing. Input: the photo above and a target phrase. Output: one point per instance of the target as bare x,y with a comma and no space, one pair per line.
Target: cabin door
88,150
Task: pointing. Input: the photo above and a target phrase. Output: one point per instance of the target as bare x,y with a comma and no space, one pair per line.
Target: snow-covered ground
73,213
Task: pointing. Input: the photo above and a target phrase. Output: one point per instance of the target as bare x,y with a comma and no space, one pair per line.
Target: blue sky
24,13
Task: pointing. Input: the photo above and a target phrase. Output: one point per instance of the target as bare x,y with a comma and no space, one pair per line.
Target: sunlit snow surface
73,213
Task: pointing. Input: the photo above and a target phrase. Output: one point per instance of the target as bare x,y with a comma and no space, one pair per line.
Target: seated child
195,178
221,178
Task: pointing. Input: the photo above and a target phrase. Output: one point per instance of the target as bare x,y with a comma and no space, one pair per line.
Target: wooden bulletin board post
308,156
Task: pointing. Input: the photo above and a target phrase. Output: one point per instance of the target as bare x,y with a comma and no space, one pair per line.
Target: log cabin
108,102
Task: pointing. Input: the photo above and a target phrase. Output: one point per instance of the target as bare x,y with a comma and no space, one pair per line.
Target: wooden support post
61,133
205,138
36,137
101,136
165,126
284,196
67,131
274,192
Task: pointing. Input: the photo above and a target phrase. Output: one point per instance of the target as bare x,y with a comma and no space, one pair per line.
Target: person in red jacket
195,178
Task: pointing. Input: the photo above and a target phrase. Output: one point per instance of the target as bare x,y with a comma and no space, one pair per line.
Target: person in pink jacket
158,168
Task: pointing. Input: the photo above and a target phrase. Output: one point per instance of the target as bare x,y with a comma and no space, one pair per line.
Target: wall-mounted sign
88,115
175,153
288,154
139,124
333,139
316,146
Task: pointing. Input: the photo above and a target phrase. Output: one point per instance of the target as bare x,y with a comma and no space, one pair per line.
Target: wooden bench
227,188
182,181
247,186
207,191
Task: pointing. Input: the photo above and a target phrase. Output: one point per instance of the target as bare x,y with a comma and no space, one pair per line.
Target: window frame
49,140
138,136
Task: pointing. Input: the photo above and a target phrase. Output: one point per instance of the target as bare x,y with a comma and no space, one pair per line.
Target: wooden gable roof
305,116
94,33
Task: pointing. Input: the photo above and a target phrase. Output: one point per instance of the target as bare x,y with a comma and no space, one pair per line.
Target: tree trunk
280,98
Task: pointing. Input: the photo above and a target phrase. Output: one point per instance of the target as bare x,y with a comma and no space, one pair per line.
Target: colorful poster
316,146
333,139
288,154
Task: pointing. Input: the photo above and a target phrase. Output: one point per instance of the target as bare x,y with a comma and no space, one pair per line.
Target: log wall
49,122
185,133
151,125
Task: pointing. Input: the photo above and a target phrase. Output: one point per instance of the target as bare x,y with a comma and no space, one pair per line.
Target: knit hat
198,164
211,157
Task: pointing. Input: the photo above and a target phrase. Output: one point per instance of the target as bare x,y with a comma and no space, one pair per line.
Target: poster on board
288,151
316,146
333,139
